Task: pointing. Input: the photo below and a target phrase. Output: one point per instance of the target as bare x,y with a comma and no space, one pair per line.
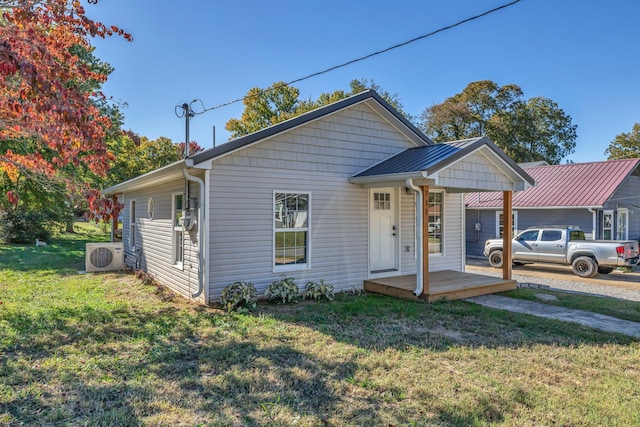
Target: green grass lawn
107,350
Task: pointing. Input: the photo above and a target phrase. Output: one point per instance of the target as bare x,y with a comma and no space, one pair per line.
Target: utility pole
188,114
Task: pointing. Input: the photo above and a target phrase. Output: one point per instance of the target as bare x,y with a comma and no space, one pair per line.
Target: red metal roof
570,185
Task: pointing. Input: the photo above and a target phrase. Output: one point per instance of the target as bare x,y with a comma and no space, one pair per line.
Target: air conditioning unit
104,257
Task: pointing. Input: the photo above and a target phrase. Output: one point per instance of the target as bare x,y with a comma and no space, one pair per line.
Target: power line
362,58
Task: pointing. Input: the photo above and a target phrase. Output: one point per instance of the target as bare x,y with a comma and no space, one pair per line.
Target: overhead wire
362,58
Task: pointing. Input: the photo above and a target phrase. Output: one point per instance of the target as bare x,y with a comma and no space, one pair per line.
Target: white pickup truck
565,245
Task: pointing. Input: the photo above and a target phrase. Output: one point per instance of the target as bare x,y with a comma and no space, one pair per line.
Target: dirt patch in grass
622,309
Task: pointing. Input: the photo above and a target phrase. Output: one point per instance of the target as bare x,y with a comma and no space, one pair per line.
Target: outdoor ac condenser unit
104,257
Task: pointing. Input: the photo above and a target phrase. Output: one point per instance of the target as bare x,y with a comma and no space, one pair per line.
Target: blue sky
582,54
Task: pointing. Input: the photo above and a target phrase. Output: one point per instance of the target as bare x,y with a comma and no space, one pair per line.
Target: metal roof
433,158
411,160
571,185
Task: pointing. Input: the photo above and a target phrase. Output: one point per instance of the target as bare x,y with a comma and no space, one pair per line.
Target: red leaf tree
50,115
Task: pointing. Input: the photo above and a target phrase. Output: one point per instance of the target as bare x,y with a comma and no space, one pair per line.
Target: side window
607,225
150,208
577,235
291,231
132,224
551,235
177,243
500,223
529,236
436,219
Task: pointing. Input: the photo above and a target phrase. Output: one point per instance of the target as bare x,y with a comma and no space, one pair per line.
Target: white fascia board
157,176
384,178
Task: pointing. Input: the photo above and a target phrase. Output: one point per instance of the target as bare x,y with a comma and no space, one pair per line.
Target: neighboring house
603,198
331,194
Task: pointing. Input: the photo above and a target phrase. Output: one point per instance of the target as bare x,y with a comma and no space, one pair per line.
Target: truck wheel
584,266
495,259
605,270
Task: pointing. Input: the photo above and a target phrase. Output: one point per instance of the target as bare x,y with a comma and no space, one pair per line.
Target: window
529,235
150,208
291,231
576,235
551,235
607,225
381,201
178,245
622,232
500,224
132,224
435,214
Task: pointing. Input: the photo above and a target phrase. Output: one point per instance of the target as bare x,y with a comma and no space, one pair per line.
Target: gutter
419,234
201,228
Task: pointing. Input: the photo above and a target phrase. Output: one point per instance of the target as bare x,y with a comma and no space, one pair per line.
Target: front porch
447,284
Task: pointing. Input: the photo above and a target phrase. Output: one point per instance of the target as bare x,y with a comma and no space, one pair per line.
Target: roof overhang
158,176
478,165
369,98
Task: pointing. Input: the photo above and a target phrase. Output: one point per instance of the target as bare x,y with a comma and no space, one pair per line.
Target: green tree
263,108
133,156
280,102
625,145
527,130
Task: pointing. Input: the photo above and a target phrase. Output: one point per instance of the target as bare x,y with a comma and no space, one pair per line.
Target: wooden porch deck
447,284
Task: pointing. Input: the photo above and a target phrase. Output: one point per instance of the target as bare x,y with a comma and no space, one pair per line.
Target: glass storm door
383,230
622,225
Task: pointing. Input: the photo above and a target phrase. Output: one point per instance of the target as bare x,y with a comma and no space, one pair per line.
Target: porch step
451,285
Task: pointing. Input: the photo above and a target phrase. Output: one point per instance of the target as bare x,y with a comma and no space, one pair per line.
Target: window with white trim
291,231
132,224
435,215
500,224
178,235
607,225
622,228
150,208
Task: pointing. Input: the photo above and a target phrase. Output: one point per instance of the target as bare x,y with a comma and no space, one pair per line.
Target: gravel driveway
616,284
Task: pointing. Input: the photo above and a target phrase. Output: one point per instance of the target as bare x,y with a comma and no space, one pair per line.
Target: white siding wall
407,233
154,239
318,158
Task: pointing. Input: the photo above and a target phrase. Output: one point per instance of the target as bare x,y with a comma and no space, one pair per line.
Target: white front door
383,230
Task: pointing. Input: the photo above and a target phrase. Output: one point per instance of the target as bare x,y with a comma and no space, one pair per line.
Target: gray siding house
335,194
603,198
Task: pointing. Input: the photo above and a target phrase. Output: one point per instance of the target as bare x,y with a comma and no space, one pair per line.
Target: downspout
419,233
200,229
594,213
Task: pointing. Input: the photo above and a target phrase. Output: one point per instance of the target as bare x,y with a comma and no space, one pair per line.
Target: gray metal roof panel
411,160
